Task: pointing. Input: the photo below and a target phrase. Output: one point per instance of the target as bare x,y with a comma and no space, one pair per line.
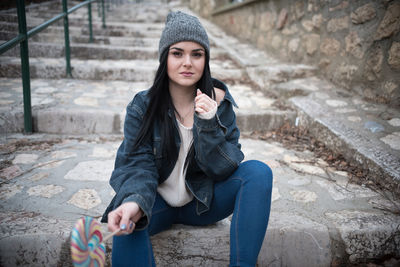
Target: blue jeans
246,194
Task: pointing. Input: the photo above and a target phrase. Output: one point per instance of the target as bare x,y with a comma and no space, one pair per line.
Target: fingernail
131,225
123,227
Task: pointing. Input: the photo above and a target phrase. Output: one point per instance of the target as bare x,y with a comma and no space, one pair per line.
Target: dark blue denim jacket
137,173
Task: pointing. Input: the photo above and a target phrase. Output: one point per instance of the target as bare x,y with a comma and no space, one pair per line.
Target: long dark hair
160,107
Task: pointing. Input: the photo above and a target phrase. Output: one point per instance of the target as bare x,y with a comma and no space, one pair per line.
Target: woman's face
185,63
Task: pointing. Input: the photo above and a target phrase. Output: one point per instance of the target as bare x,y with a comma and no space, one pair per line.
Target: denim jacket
137,173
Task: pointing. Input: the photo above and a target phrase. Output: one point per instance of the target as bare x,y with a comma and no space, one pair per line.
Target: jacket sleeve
216,142
135,175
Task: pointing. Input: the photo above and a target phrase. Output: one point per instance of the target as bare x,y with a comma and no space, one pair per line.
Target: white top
174,190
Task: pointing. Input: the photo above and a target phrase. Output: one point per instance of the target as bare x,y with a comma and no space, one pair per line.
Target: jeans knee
259,173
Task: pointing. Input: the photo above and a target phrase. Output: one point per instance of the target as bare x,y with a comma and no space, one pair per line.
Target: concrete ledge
266,76
301,87
267,120
291,240
76,121
93,121
64,121
42,249
193,246
287,240
11,122
179,246
355,143
31,239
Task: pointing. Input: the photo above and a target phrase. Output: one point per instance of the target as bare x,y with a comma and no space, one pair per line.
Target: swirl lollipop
87,248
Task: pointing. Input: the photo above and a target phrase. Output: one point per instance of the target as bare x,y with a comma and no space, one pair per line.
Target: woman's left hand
203,103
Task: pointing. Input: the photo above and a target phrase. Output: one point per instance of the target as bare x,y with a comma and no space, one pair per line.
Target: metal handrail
23,37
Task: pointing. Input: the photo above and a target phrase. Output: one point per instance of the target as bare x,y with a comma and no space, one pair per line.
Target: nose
187,61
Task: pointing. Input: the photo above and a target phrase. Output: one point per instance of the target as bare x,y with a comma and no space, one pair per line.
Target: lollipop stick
111,235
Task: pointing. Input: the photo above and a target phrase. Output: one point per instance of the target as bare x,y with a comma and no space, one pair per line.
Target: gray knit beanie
182,27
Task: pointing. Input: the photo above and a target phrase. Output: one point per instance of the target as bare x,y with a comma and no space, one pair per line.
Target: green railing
22,40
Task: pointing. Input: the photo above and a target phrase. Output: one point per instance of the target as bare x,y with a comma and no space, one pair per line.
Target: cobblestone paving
71,179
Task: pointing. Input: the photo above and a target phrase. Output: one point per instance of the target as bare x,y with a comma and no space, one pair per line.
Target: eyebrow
180,49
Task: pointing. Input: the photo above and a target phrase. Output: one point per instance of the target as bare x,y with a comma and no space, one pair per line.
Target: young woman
180,160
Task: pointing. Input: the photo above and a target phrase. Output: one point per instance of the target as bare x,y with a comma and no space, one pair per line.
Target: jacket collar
218,84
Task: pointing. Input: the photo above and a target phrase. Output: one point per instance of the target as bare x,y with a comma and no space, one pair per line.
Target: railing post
104,14
66,35
90,23
26,84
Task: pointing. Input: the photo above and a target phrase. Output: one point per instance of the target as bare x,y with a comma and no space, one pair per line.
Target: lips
187,74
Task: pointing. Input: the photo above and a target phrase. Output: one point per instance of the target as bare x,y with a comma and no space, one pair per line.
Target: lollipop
86,246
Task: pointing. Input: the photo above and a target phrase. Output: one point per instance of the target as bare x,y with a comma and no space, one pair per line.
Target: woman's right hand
124,217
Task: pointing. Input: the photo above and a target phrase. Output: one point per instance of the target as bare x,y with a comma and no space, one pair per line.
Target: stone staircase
51,178
366,134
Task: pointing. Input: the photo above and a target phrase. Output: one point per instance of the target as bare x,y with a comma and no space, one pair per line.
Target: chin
186,83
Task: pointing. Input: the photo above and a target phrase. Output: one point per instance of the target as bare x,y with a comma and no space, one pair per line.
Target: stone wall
355,44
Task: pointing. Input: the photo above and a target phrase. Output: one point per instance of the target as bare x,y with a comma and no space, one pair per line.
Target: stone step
315,210
139,31
36,17
366,134
78,21
94,121
144,49
127,26
300,87
76,39
89,107
87,51
51,7
54,29
43,13
128,70
51,68
13,18
268,75
137,13
140,12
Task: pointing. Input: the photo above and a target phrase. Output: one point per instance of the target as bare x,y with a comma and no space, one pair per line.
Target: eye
176,53
197,54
